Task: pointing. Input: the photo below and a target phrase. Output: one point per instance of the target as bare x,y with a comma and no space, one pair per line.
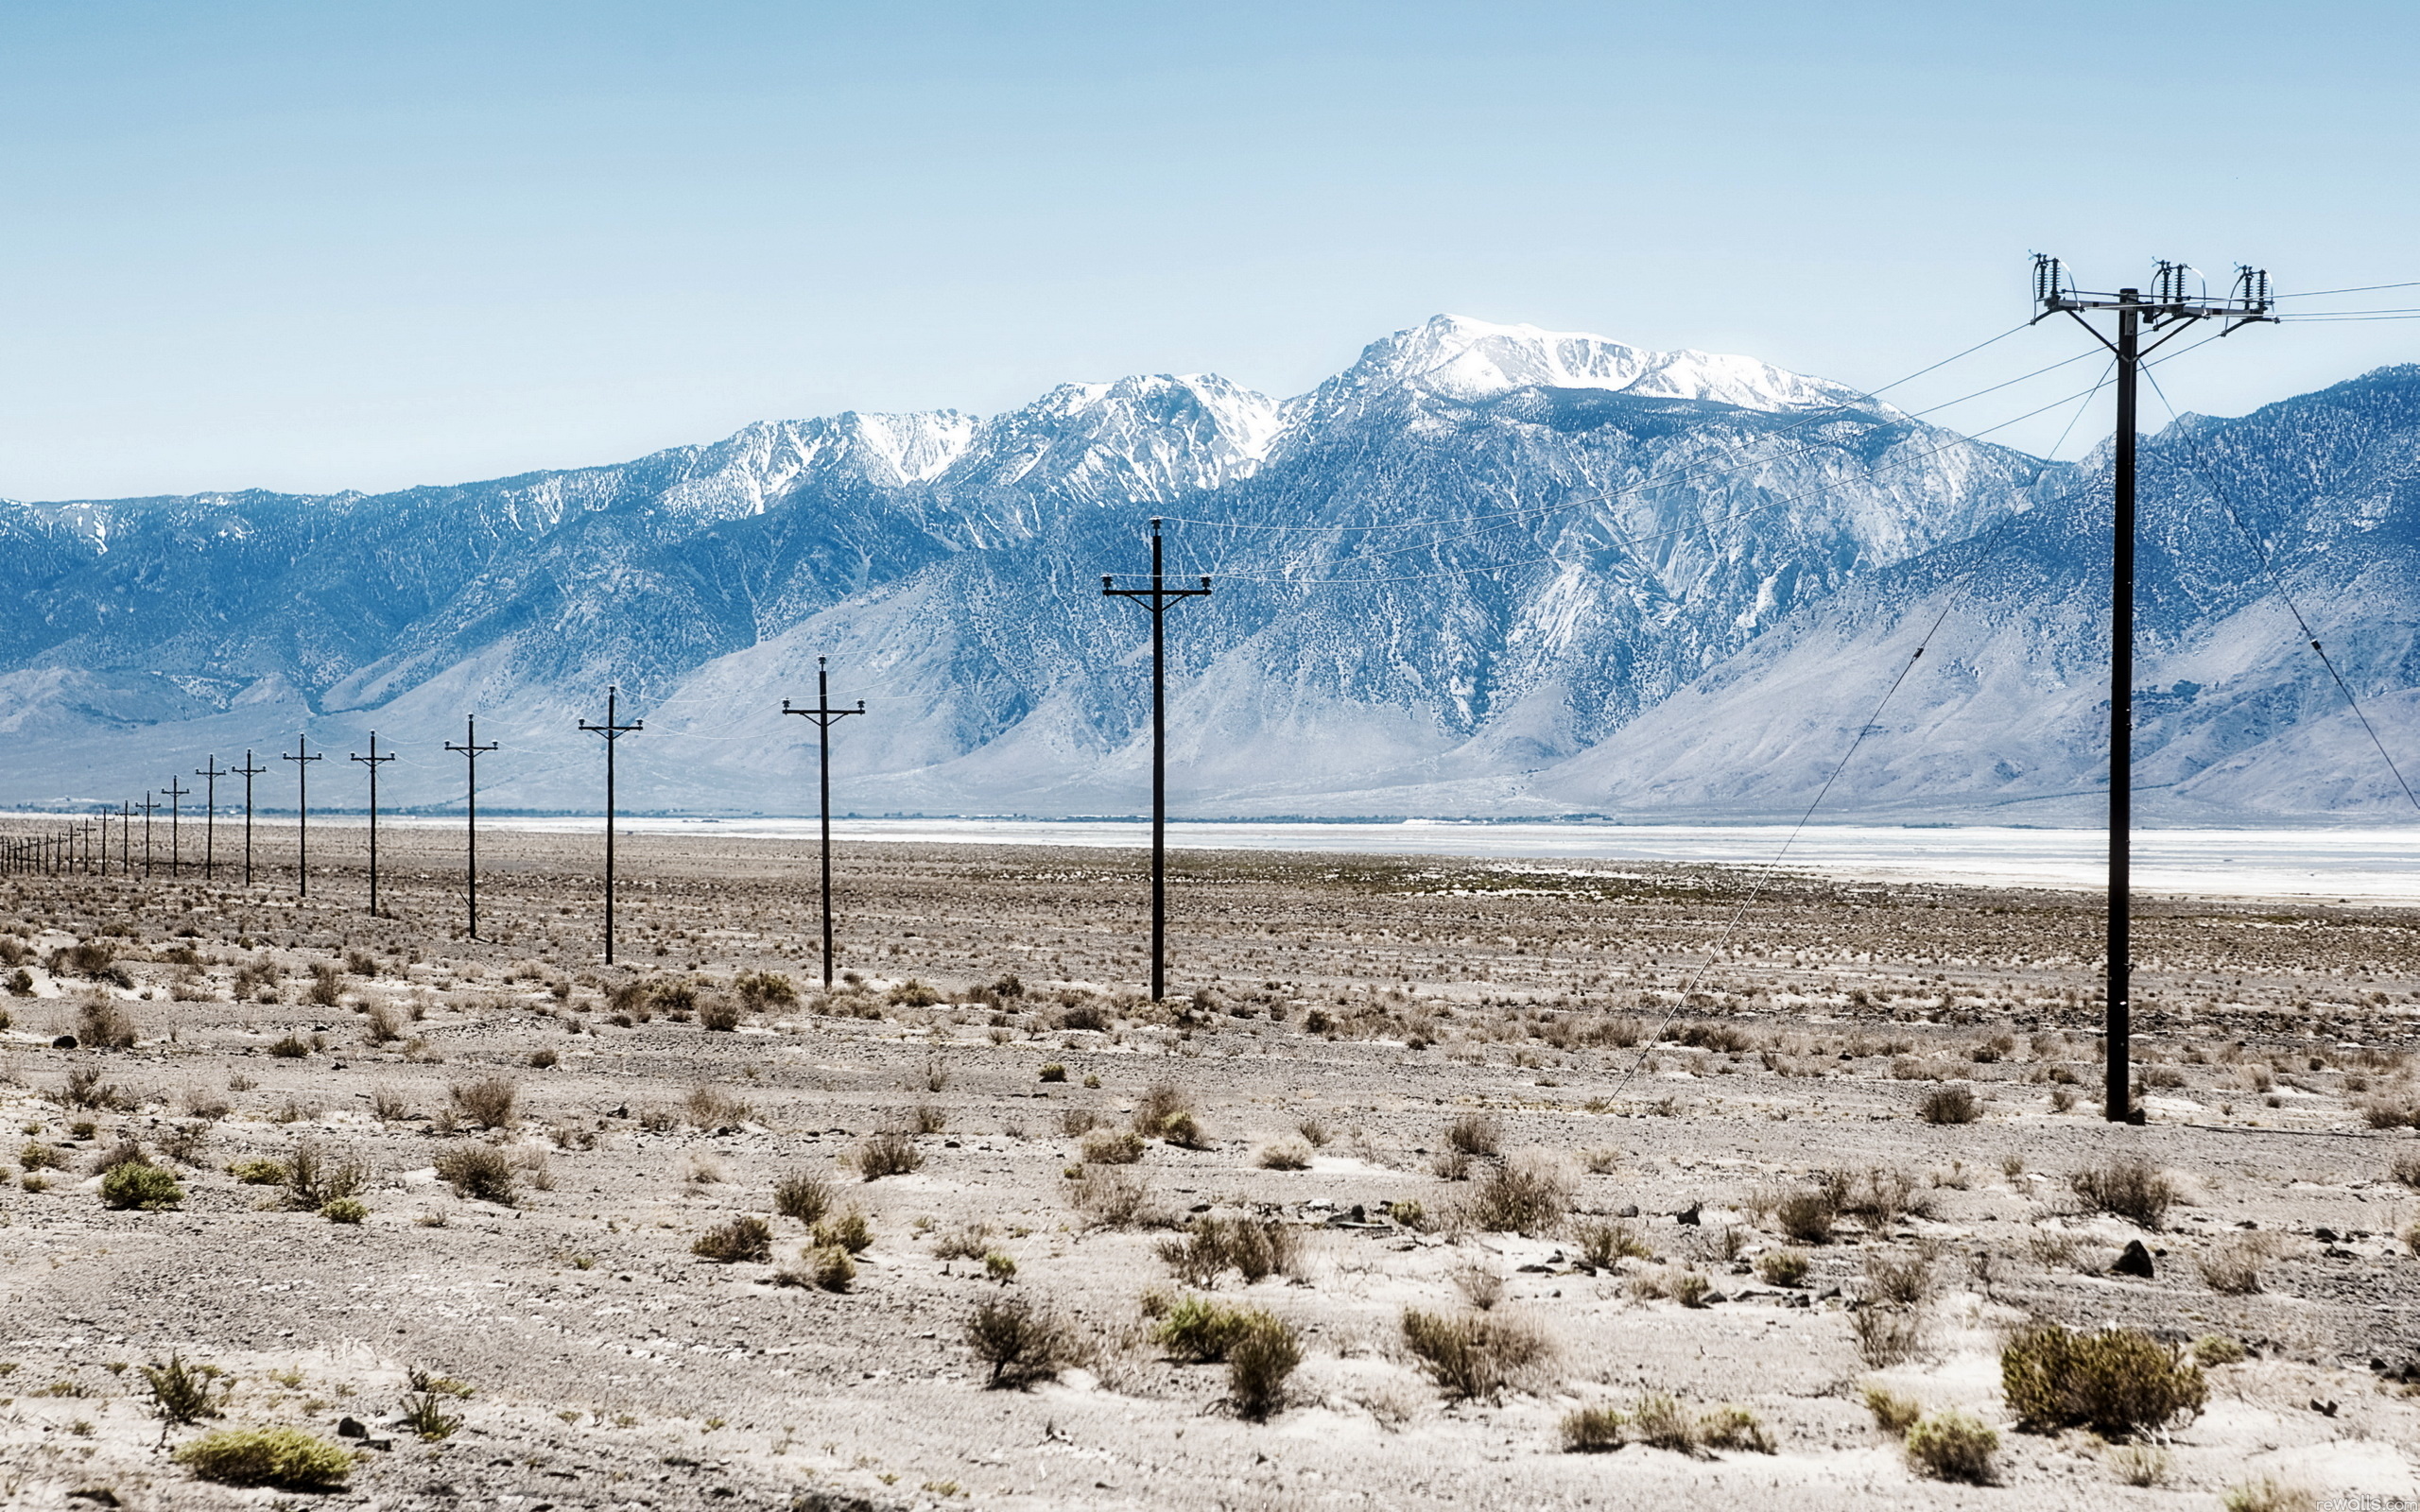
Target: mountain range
1487,569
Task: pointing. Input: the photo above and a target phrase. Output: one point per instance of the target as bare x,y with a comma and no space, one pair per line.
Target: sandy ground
1334,1014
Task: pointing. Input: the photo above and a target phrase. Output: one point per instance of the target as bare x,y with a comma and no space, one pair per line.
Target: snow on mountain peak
1463,358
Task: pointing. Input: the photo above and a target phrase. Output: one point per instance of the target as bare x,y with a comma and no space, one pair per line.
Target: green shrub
1592,1430
344,1210
1893,1414
182,1394
1783,1267
286,1457
2214,1350
1259,1361
848,1231
746,1237
1658,1419
1473,1354
2115,1382
1734,1428
1256,1247
1200,1329
825,1267
764,991
1053,1071
426,1417
889,1153
139,1184
1950,1446
314,1177
1604,1243
914,994
259,1172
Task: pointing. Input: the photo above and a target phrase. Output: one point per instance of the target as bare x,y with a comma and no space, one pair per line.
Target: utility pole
302,803
210,772
176,851
105,842
1157,599
148,809
612,733
2172,310
825,716
125,838
248,771
473,750
371,760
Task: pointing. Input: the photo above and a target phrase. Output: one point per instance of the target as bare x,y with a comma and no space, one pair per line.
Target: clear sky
319,244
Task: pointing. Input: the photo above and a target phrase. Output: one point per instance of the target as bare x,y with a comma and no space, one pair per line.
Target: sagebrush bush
1114,1197
1474,1134
2233,1269
480,1172
1260,1360
1893,1414
764,992
2114,1381
1950,1446
140,1185
101,1025
1473,1354
284,1458
1020,1340
848,1231
745,1238
316,1177
2267,1494
1807,1216
719,1014
804,1197
1783,1267
2127,1188
1604,1243
1886,1335
1285,1154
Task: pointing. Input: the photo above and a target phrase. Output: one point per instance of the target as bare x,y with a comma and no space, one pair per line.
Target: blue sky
315,245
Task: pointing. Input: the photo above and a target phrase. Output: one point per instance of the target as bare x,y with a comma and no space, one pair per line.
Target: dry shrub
1528,1195
2233,1268
2267,1494
1783,1267
971,1240
1886,1335
745,1238
1950,1446
1285,1154
202,1103
2114,1381
101,1025
316,1177
719,1014
381,1024
479,1172
1592,1430
927,1119
825,1267
490,1102
2128,1188
1075,1122
764,991
1473,1354
1604,1243
845,1230
1020,1340
1807,1216
1906,1281
804,1196
2391,1113
1254,1247
1474,1134
1105,1148
1165,1112
887,1153
1950,1105
2405,1168
712,1107
1114,1197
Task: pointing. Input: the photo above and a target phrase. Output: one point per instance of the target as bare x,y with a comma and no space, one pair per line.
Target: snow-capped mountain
1487,568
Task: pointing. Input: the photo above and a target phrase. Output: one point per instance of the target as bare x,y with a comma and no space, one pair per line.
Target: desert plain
1432,1183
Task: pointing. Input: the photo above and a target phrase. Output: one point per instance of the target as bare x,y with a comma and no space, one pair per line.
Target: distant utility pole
825,716
148,809
1157,599
105,842
125,838
210,772
176,851
612,733
248,771
373,761
472,750
2170,309
302,803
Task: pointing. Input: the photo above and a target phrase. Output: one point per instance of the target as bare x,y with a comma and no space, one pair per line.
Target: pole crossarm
825,716
1157,600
